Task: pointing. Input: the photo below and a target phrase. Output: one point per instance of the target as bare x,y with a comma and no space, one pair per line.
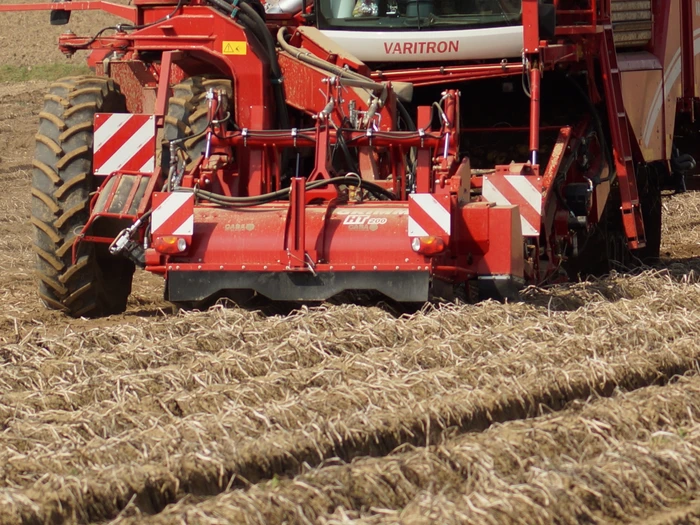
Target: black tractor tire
603,249
62,183
188,116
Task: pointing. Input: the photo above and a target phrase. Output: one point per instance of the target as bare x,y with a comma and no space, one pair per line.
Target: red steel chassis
320,240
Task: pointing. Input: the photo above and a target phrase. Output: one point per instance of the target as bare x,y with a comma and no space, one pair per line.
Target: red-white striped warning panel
429,214
173,214
521,190
125,142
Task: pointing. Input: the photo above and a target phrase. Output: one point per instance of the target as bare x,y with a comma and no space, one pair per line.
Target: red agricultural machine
306,149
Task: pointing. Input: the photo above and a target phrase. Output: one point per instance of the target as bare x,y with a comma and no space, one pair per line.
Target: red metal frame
311,232
622,147
123,11
687,59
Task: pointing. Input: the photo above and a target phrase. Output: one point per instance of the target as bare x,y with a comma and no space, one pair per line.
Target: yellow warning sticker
235,47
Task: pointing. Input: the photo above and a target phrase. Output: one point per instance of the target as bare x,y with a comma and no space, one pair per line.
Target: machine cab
420,30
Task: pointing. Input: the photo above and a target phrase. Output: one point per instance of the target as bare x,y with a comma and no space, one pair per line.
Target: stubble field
579,404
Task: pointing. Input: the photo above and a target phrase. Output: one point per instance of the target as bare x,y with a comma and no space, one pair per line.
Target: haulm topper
307,149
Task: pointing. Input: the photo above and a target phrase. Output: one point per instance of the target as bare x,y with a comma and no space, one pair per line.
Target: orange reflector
428,245
169,244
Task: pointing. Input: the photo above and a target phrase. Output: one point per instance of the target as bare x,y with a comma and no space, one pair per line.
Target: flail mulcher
414,149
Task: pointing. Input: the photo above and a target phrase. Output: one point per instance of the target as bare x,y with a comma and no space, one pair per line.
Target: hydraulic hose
406,116
682,163
313,60
598,126
223,5
279,194
251,20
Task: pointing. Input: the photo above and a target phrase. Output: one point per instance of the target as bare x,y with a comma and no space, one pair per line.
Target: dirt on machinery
578,404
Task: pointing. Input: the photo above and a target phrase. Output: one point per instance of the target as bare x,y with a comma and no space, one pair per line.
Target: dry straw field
579,404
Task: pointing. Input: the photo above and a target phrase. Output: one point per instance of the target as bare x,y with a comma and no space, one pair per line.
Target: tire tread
62,185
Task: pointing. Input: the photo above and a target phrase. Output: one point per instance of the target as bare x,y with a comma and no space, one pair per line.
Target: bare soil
27,39
578,404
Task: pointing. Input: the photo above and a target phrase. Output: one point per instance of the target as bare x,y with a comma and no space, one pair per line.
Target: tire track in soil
524,471
506,397
684,515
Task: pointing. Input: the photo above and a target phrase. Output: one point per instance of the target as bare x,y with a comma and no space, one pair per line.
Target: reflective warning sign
235,47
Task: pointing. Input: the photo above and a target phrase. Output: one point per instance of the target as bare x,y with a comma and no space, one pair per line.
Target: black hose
275,195
412,155
223,5
406,116
682,163
346,152
598,123
251,20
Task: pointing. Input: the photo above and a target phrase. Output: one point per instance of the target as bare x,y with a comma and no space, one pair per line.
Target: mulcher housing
304,150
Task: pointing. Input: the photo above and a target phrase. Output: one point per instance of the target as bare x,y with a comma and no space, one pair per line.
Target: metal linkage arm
123,11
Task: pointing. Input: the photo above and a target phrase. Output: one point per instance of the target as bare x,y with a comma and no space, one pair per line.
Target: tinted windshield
415,14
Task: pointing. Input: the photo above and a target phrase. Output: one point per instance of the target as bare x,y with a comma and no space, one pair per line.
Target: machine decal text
239,227
419,48
356,219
